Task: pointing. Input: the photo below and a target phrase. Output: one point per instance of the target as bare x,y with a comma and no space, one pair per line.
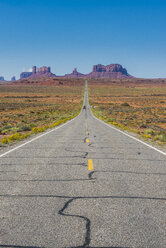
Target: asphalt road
83,185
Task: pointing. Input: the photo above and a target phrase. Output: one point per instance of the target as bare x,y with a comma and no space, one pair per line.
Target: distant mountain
98,71
38,73
101,71
25,75
74,74
109,71
13,78
2,78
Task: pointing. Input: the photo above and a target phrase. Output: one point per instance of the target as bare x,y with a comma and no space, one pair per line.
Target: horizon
79,34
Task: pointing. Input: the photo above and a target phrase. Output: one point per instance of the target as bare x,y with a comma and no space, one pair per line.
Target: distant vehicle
84,107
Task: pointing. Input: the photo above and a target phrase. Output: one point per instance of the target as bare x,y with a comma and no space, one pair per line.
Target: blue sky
65,34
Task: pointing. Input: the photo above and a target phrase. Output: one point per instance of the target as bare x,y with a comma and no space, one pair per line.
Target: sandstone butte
98,71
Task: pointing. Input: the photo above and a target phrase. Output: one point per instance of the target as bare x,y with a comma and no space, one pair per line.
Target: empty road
83,184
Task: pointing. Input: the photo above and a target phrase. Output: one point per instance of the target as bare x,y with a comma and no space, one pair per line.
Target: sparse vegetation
134,105
27,109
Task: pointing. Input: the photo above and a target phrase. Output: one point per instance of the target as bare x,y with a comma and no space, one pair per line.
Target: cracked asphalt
49,198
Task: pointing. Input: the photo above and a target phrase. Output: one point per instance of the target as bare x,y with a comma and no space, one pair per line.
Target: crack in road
18,246
88,222
86,197
90,175
86,154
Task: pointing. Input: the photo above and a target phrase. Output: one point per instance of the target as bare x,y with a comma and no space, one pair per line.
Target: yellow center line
90,164
87,141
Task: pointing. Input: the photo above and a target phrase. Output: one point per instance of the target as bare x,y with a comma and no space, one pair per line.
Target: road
84,184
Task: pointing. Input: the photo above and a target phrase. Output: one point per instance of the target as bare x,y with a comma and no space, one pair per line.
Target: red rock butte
98,71
38,73
74,74
109,71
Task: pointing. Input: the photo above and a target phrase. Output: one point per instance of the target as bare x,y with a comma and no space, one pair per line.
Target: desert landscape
34,105
31,106
82,124
136,105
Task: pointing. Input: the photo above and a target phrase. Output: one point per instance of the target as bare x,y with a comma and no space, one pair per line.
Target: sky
65,34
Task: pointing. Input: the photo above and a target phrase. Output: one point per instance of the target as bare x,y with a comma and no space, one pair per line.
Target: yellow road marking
90,164
87,141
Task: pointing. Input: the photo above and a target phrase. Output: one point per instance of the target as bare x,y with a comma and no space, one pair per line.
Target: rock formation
109,71
37,73
13,78
2,78
99,71
25,75
34,69
75,74
43,69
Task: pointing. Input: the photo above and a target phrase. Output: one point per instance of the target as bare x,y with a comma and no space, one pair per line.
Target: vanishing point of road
83,184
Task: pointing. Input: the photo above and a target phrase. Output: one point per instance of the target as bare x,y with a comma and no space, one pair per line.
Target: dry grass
27,108
136,105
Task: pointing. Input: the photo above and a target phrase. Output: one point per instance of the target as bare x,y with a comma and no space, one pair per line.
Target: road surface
84,184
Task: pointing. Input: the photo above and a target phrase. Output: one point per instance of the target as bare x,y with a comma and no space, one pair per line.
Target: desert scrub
25,128
125,104
38,129
31,109
149,132
14,137
160,137
139,108
35,130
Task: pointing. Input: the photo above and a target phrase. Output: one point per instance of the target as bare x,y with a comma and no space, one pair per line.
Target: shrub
125,104
23,136
32,125
114,123
25,128
147,136
10,130
14,137
4,141
162,120
37,129
46,127
160,137
149,131
7,126
163,138
110,119
5,129
143,126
